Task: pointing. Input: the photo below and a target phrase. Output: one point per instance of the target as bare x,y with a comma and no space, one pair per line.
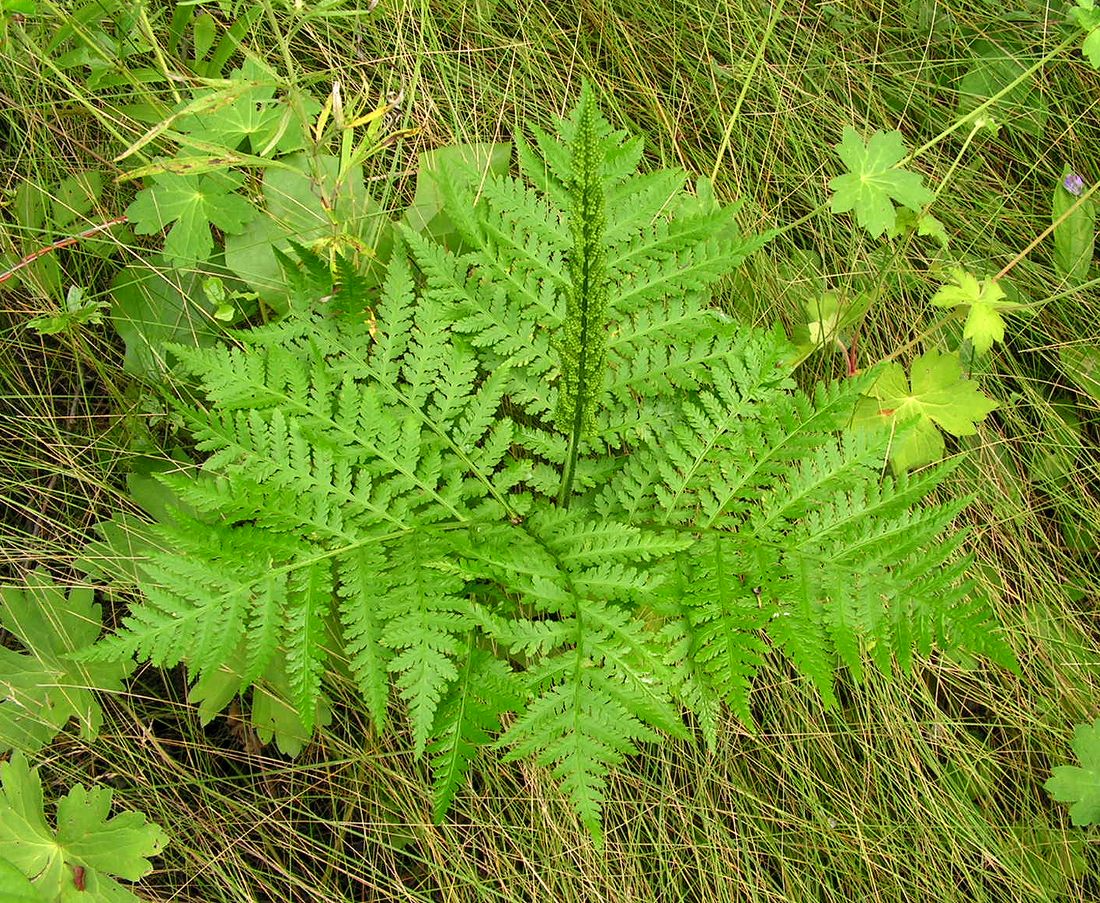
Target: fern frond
673,259
720,614
797,625
308,602
540,476
395,315
468,719
632,205
581,727
500,330
202,592
524,238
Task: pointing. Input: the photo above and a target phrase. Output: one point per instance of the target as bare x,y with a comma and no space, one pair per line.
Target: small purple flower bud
1074,184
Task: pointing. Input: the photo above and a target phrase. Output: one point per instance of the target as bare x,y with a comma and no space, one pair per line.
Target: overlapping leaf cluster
381,481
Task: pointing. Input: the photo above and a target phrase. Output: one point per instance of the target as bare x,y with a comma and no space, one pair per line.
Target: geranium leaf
190,204
269,125
85,839
986,300
42,687
1087,16
874,182
935,397
1080,785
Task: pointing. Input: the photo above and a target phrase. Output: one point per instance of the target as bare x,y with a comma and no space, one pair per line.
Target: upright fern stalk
584,343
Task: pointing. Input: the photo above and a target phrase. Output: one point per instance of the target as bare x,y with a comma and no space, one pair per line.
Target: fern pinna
537,489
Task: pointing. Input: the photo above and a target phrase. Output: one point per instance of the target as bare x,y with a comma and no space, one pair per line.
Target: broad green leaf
18,7
42,687
1080,785
1074,236
1081,364
986,299
274,717
823,317
74,197
1090,48
310,205
204,32
48,213
425,213
85,838
993,68
270,714
190,204
254,115
1087,16
78,311
15,887
152,307
874,182
926,226
935,397
30,207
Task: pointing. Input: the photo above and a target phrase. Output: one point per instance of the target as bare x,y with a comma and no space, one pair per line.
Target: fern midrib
570,472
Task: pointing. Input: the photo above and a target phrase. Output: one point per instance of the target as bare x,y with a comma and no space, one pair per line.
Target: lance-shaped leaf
1074,221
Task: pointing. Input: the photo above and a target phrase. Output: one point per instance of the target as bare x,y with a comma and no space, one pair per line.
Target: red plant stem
58,245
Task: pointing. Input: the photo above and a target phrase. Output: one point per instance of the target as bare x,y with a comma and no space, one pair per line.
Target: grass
928,788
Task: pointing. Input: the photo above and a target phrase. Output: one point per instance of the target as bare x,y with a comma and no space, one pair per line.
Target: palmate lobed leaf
190,204
85,838
875,182
1087,16
251,115
985,300
1080,784
935,396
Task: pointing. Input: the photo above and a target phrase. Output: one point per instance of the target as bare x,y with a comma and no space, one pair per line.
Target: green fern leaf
425,615
541,476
